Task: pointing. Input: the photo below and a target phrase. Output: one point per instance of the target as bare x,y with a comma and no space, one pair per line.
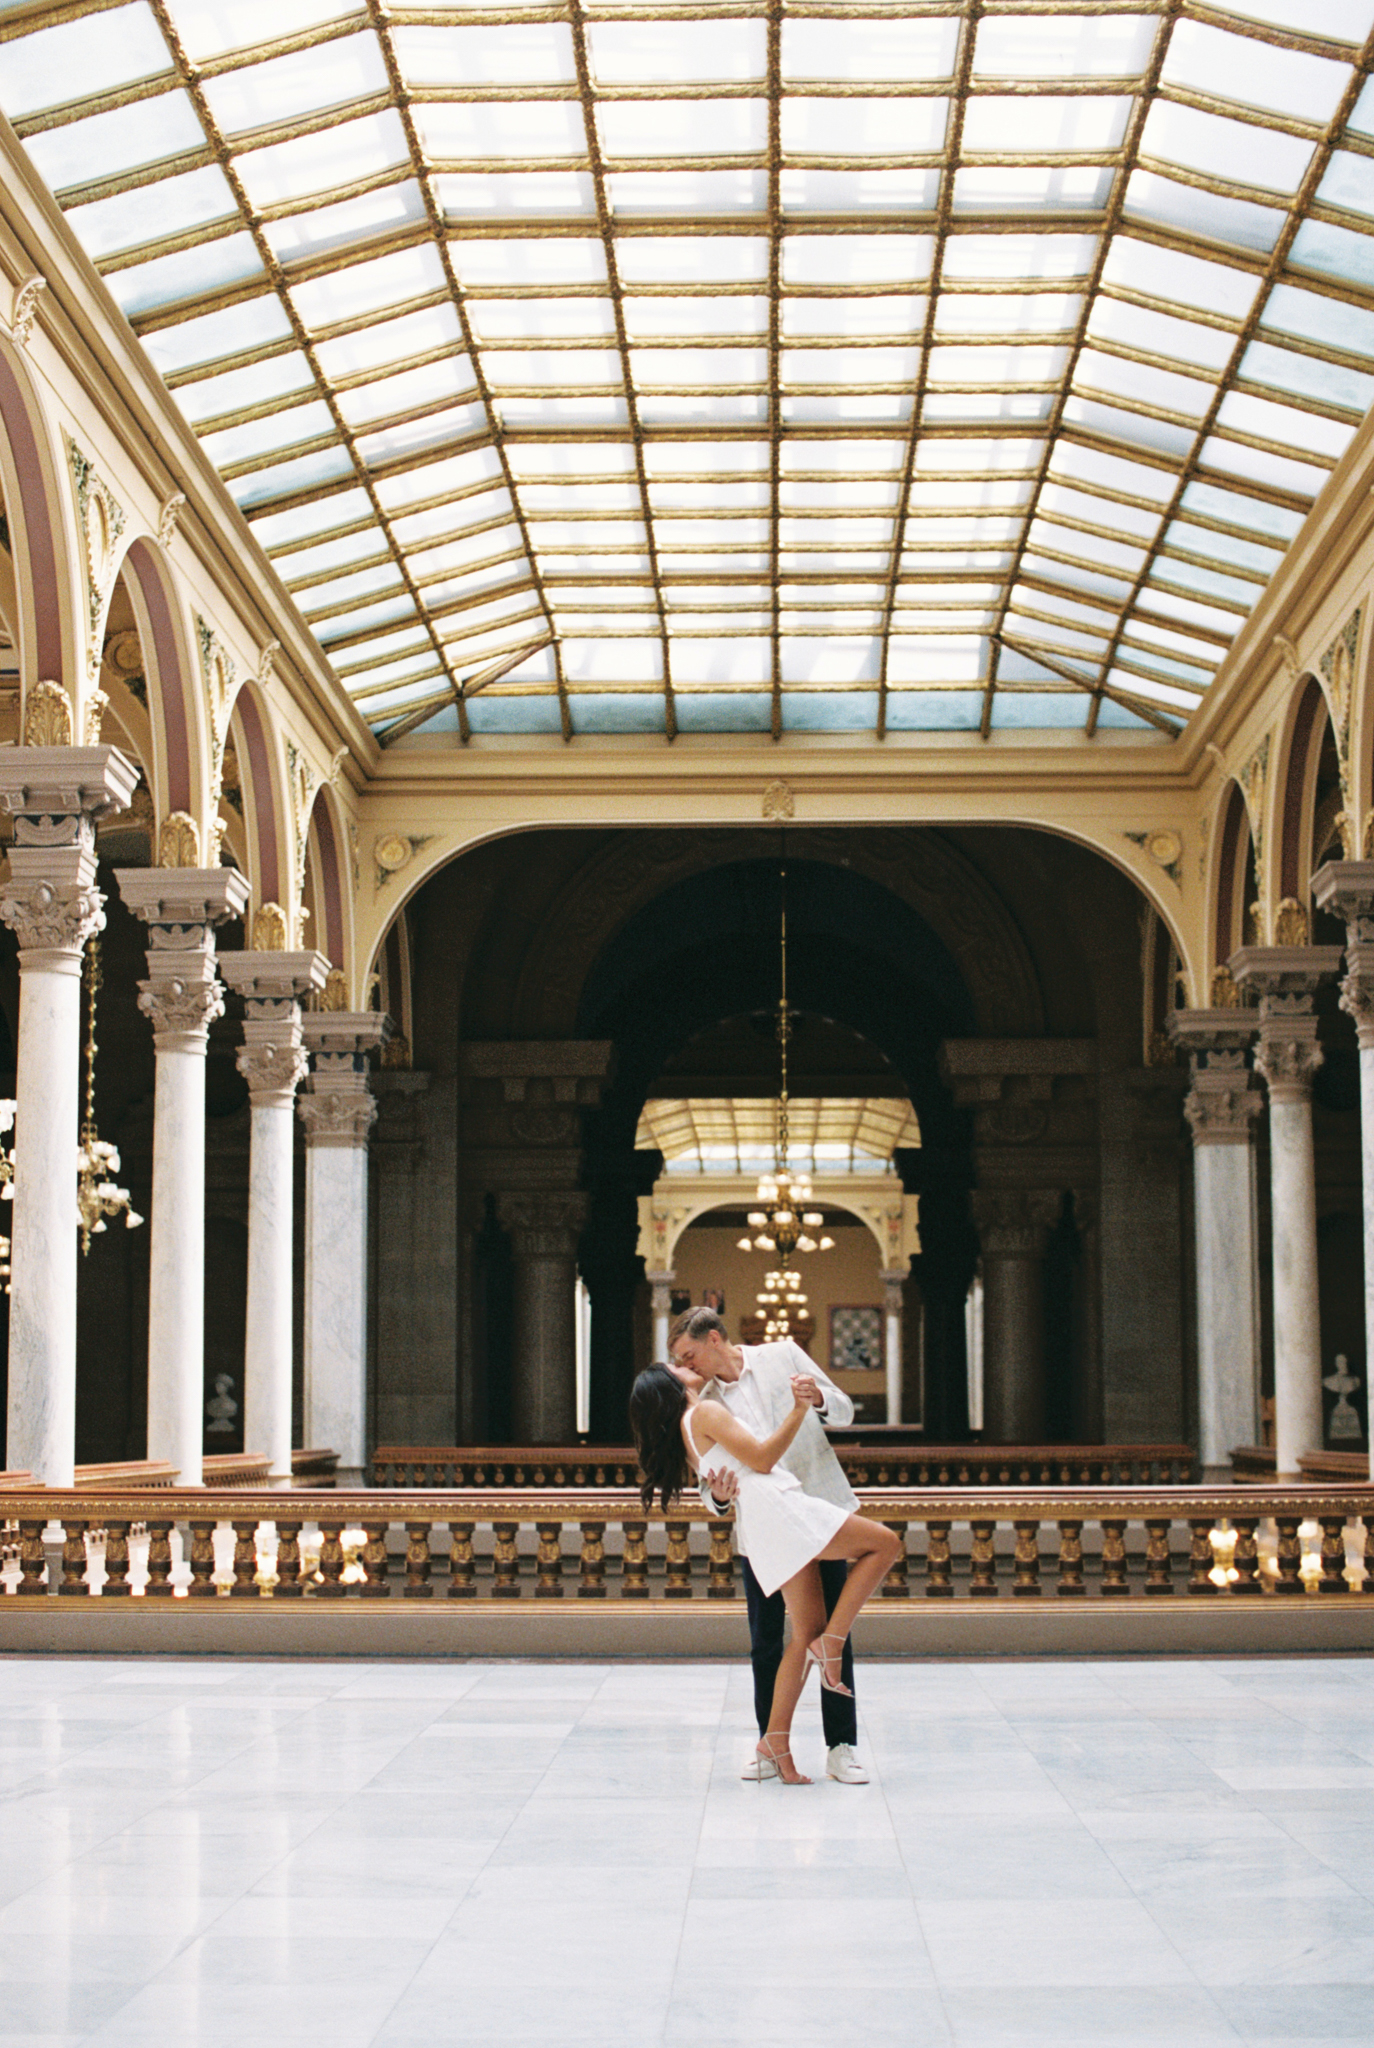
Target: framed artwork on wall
856,1338
679,1301
713,1297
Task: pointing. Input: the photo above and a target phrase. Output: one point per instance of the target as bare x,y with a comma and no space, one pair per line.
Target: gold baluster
32,1561
73,1559
1201,1556
548,1584
591,1563
1070,1585
507,1562
634,1565
1159,1564
1333,1578
116,1585
679,1586
939,1564
1114,1562
331,1586
1026,1573
895,1586
203,1585
374,1561
720,1564
1290,1555
245,1561
983,1580
462,1566
289,1585
1246,1558
159,1584
418,1563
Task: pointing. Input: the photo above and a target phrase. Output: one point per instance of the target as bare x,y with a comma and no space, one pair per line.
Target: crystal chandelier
97,1195
782,1218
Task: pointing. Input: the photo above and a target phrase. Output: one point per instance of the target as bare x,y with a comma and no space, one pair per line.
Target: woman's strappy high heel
823,1662
770,1761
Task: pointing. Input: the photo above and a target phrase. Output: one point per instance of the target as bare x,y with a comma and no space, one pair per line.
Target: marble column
544,1229
50,902
273,1063
662,1305
181,908
1286,978
1346,888
1221,1107
1014,1226
337,1109
892,1342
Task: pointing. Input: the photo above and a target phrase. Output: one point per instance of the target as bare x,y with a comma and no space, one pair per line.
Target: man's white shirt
761,1398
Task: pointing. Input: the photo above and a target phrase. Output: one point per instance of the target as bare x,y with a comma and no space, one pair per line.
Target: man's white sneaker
758,1767
842,1765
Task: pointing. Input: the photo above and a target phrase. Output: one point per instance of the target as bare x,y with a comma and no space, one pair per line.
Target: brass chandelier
782,1219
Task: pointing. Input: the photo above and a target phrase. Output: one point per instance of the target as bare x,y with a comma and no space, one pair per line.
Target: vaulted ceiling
835,366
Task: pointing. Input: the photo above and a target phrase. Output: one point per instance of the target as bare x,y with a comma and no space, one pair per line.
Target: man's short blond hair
696,1323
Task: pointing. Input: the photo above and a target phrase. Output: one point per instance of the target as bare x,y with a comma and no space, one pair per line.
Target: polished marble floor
217,1854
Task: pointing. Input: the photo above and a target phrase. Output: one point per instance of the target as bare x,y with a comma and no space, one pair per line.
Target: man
754,1381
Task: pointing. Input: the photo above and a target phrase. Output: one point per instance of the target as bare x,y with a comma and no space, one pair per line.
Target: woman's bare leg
872,1550
806,1610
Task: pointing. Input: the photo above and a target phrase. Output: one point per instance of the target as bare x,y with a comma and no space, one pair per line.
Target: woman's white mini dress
781,1526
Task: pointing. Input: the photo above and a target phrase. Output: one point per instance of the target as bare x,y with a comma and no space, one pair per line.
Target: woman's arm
724,1429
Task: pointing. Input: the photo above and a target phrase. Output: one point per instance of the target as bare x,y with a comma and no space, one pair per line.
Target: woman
787,1531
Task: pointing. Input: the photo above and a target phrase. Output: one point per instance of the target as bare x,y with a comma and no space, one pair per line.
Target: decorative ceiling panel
845,366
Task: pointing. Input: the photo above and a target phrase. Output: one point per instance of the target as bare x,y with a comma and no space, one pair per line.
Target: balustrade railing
578,1465
973,1544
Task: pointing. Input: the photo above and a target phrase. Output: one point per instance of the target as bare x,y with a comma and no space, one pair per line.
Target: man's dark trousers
767,1614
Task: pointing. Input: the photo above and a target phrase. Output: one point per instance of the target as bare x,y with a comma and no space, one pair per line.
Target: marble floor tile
324,1854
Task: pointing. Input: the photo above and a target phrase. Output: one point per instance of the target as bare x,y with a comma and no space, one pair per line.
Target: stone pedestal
50,902
1346,887
892,1343
1221,1108
337,1110
544,1229
1014,1225
273,1063
181,908
1286,979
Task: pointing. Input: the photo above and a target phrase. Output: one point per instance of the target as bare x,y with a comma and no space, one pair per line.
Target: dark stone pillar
543,1229
1014,1225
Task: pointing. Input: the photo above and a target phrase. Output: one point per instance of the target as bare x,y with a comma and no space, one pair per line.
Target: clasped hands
805,1392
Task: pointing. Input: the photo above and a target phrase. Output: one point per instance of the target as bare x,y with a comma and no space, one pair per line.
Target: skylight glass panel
316,164
1255,74
1032,46
517,53
328,75
773,480
77,59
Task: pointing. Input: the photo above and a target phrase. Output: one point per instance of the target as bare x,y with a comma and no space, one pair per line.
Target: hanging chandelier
783,1220
97,1195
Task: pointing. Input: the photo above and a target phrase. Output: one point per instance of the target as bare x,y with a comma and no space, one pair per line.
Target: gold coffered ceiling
837,367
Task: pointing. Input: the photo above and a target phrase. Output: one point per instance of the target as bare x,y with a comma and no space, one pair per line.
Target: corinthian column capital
1286,980
1223,1101
55,795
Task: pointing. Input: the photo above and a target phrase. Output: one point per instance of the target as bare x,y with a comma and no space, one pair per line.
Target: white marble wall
41,1426
1228,1300
336,1304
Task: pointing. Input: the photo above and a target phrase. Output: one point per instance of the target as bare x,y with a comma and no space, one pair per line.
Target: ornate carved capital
1346,889
1286,980
273,1062
1015,1223
52,922
1289,1057
336,1116
182,1007
543,1225
1221,1107
1357,989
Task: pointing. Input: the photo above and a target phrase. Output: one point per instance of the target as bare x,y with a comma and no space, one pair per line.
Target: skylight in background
734,1135
857,369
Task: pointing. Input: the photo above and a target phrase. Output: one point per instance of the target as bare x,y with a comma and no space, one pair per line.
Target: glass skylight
620,368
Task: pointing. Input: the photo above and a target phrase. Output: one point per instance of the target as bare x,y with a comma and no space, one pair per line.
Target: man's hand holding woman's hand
724,1488
805,1392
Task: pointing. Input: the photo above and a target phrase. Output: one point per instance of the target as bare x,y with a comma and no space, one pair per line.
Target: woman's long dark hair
657,1401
